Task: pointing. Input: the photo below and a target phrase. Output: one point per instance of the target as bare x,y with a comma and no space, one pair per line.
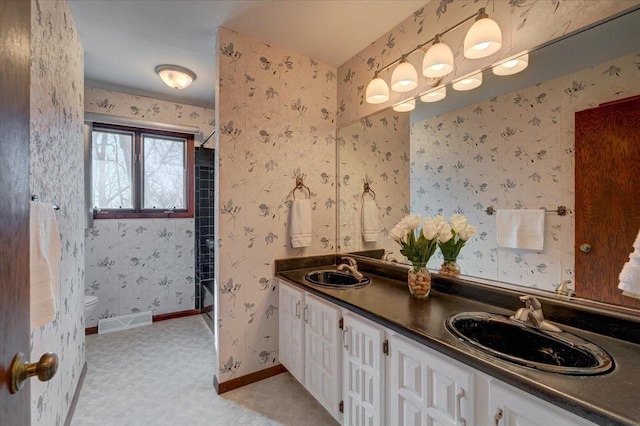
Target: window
139,173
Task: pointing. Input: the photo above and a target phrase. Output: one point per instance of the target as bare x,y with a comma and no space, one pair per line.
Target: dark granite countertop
608,399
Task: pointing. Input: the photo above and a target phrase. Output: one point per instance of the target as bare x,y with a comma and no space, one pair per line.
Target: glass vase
449,268
419,280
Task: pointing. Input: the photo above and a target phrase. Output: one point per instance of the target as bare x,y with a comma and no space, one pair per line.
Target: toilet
90,303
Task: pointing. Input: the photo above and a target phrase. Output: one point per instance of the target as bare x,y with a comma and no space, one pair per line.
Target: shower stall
204,233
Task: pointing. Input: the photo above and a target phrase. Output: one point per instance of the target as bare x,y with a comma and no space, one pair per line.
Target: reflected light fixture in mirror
484,38
175,76
512,65
377,91
468,82
405,106
438,61
404,77
434,95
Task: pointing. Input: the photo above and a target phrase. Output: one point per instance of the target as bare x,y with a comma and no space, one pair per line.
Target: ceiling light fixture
404,77
405,106
434,95
468,82
175,76
512,65
484,38
377,91
438,61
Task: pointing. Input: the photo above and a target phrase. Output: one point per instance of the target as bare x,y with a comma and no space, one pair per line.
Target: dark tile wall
204,227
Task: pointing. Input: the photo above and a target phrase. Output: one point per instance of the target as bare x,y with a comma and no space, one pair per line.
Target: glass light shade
405,106
468,82
438,61
484,38
512,65
175,76
434,95
377,91
404,78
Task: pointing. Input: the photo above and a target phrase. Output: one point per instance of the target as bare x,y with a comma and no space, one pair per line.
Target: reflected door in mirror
607,197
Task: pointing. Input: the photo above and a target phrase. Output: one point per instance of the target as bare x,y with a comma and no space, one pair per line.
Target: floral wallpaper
276,120
524,23
513,151
373,150
158,255
139,265
56,177
149,109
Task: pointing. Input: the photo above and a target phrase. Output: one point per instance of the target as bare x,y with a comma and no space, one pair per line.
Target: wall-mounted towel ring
368,190
301,186
35,198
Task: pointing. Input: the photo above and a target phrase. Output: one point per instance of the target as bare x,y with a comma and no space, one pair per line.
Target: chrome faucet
386,257
532,315
564,290
352,267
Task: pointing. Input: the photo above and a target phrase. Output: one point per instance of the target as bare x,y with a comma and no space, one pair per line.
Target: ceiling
124,40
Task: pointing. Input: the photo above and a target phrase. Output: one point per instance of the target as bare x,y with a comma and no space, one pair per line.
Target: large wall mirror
508,144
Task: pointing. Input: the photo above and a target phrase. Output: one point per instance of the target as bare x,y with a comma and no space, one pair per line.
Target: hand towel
521,229
44,259
630,274
370,228
300,223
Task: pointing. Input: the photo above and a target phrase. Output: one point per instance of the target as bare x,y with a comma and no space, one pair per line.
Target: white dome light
175,76
377,91
468,82
484,38
404,77
438,61
434,95
405,106
512,65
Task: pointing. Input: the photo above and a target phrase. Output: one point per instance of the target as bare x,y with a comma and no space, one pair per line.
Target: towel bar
560,210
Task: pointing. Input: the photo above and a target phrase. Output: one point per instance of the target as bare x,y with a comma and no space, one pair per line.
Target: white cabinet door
363,372
428,388
512,407
322,353
291,324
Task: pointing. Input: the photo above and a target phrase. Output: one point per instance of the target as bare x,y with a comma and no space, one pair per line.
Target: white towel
370,228
521,229
630,274
45,251
300,223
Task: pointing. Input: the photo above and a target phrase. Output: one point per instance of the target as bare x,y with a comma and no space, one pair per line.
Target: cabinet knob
585,248
498,416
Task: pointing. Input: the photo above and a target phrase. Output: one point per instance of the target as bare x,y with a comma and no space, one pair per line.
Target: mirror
508,144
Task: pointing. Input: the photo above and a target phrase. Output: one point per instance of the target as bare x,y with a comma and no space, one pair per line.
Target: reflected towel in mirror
521,229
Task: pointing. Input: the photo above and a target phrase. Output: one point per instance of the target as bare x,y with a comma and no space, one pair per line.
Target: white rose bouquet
453,237
419,248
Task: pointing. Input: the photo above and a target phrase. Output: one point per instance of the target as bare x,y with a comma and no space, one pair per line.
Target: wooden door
607,197
15,30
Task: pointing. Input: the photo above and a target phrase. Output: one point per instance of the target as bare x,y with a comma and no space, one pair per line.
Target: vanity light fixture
438,61
468,82
175,76
484,38
377,91
405,106
404,77
434,95
512,65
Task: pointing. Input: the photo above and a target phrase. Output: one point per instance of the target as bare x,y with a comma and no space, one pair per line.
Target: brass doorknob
21,369
585,248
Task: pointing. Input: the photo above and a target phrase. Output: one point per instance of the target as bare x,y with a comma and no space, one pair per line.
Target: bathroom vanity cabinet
364,373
